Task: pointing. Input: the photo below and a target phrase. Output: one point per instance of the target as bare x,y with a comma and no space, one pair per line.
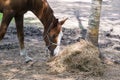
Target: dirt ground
12,66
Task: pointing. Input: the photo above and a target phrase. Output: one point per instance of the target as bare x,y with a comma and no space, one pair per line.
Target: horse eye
54,36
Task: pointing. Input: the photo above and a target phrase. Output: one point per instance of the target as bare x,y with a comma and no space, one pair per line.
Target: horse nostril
51,54
62,38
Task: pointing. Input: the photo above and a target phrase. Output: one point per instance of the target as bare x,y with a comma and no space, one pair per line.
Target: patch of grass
1,16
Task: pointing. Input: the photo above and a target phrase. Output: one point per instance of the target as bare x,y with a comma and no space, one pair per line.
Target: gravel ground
12,66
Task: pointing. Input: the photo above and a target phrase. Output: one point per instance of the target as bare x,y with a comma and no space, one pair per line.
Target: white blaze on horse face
57,49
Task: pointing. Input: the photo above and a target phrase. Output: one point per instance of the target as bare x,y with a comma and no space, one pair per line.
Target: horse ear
63,21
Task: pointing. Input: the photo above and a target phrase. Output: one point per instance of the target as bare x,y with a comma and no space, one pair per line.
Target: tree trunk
94,21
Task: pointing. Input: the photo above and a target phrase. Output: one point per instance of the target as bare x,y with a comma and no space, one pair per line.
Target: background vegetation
0,16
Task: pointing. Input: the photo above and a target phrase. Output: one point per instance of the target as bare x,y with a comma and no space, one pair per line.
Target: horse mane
48,15
55,23
44,12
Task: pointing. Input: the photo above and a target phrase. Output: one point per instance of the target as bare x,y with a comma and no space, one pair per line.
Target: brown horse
17,8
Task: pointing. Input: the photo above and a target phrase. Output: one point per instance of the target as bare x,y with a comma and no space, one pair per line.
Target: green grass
1,16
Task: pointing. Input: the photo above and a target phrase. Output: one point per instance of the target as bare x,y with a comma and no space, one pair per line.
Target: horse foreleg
7,16
20,34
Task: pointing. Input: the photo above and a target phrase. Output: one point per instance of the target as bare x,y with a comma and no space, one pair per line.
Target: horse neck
44,13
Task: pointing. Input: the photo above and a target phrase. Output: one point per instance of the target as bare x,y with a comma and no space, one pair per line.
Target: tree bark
94,21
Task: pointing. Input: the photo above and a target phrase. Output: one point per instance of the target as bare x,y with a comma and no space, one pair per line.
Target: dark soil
12,66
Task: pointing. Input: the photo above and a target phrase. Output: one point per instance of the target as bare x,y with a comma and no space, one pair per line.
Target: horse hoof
28,59
117,62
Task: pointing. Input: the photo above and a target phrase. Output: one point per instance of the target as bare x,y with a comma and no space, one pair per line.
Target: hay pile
81,56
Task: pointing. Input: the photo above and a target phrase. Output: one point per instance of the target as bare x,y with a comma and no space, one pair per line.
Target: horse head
53,36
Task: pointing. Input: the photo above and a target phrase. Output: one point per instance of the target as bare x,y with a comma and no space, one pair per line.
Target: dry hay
81,56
